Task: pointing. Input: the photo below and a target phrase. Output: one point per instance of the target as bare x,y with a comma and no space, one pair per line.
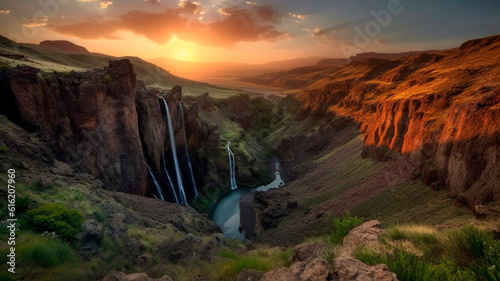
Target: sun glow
182,54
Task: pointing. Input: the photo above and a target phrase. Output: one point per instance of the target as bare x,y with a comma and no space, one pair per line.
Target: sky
254,31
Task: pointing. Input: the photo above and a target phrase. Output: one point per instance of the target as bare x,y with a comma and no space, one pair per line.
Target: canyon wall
441,110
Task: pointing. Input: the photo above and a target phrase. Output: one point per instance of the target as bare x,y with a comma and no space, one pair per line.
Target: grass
229,264
349,173
412,202
422,253
342,226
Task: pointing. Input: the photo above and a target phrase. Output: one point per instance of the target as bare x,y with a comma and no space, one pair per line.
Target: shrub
342,226
50,217
3,149
51,253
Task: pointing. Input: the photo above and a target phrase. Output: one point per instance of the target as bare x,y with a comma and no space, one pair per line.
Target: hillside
64,56
64,46
292,81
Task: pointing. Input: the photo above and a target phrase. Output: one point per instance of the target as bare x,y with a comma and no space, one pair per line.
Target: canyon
382,136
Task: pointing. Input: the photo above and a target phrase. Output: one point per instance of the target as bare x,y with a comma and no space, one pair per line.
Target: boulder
348,268
91,235
305,251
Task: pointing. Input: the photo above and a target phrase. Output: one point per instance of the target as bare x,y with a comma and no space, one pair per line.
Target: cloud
299,16
86,0
381,41
329,35
154,2
249,24
251,3
105,4
37,22
4,11
325,32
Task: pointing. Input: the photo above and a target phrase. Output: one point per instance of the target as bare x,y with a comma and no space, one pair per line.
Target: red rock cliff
441,109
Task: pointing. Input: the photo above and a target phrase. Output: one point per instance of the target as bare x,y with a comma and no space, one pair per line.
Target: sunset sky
249,31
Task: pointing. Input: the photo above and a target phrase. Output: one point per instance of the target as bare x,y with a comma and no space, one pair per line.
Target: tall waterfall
172,186
174,155
232,167
158,188
187,153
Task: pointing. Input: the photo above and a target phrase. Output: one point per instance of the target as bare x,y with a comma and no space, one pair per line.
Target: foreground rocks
349,268
310,264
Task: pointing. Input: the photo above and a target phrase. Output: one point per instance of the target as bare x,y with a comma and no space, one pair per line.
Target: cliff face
441,109
88,119
101,122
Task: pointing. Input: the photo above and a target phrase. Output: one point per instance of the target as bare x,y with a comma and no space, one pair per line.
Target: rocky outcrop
310,264
349,268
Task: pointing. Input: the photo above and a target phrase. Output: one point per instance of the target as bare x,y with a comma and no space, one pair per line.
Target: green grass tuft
342,226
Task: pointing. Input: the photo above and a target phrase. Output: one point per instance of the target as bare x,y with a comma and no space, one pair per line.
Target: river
226,213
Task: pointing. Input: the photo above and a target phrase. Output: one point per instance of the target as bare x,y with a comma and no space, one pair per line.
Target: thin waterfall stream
183,199
195,190
232,167
171,184
158,188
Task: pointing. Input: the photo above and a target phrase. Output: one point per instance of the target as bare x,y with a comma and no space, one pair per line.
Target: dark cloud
249,24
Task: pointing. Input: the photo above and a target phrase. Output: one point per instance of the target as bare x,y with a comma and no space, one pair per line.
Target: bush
342,226
55,217
51,253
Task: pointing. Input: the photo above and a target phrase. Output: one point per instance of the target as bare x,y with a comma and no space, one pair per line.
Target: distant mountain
209,72
65,46
298,78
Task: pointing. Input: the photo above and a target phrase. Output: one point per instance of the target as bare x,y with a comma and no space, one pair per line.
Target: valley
410,140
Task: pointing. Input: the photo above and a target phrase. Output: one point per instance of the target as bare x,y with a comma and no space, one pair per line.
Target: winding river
226,213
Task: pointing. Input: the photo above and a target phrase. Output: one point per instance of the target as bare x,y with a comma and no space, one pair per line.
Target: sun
182,54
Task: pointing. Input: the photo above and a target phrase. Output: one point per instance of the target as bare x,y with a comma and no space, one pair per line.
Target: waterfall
168,176
172,187
187,153
156,184
232,167
174,155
